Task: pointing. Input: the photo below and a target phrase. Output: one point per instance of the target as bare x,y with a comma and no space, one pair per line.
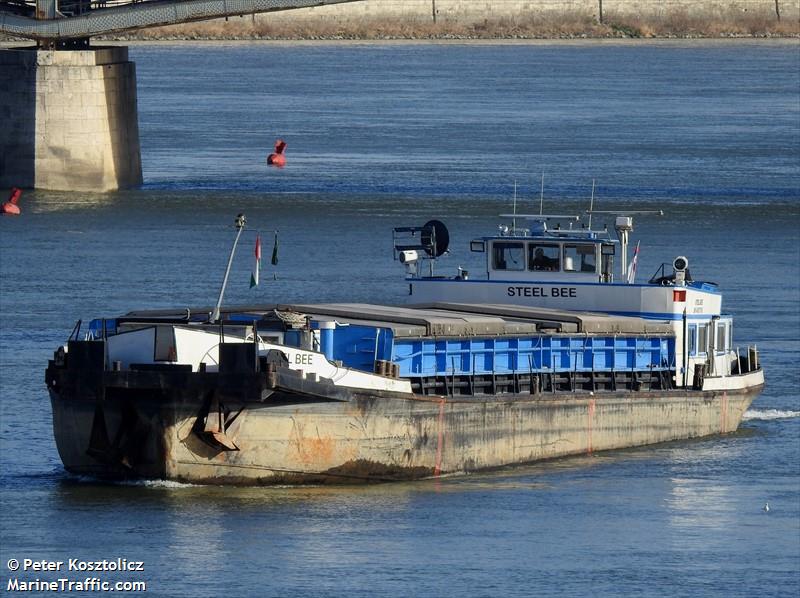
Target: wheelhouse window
544,257
580,257
702,338
508,255
692,340
722,341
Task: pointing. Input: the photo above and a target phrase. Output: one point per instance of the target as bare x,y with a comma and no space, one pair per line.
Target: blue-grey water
388,135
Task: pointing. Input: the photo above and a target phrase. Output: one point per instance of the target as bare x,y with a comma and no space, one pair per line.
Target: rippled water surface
382,136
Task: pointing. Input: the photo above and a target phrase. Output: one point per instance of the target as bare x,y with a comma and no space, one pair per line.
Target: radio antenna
514,219
541,197
591,206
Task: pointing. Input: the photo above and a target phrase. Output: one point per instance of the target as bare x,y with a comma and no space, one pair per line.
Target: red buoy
277,158
11,207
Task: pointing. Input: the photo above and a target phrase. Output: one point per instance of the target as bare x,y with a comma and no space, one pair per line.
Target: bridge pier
69,119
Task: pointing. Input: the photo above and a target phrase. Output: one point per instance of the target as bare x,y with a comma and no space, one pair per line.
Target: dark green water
383,136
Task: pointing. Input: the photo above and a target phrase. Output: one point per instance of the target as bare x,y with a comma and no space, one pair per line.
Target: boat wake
85,479
766,414
158,484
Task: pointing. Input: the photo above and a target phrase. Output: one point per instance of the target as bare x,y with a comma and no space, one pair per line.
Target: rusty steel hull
370,438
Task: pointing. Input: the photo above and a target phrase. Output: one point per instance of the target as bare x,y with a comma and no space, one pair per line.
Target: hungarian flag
632,265
257,269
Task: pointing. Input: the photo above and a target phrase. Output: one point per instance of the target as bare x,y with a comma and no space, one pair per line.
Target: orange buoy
277,158
11,207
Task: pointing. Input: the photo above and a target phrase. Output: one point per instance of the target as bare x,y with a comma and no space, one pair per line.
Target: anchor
219,425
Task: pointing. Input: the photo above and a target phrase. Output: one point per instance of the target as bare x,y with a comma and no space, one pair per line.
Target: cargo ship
552,351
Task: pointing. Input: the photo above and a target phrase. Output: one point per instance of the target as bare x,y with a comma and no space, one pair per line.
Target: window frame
579,267
702,334
533,245
721,328
523,259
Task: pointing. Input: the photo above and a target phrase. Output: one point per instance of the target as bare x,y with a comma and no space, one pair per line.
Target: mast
624,225
239,224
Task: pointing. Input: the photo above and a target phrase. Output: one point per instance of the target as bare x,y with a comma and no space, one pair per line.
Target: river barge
550,354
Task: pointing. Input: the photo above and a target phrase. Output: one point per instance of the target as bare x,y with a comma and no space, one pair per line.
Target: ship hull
287,438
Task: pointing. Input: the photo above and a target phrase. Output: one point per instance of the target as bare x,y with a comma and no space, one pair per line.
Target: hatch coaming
543,353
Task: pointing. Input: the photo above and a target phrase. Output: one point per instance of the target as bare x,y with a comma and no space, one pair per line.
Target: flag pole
239,223
254,277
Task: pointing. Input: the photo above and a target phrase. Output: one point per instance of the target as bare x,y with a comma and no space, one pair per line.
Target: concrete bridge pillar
68,119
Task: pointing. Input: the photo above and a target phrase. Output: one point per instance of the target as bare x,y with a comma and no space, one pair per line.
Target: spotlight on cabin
680,265
408,257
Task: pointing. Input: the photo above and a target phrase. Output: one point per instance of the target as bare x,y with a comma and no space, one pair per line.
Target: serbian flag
632,265
257,269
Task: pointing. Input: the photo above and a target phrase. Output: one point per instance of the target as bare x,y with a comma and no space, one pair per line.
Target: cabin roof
553,237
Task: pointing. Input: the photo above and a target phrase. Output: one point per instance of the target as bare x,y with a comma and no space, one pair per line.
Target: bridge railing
70,8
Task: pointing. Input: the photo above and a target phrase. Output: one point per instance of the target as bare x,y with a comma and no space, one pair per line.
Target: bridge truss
70,23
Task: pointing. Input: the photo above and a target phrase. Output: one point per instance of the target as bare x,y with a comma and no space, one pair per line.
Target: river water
389,135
